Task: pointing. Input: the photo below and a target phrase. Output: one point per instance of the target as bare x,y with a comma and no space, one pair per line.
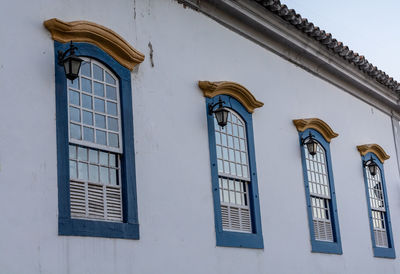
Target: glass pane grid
231,146
320,208
233,192
94,111
375,191
318,180
94,166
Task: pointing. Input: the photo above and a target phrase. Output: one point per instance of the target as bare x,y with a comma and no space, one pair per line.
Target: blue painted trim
129,228
379,251
334,247
228,238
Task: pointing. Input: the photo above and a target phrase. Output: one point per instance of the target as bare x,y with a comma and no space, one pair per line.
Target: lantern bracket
61,55
212,106
309,137
369,162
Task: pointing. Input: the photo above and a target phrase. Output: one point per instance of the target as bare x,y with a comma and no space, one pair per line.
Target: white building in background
126,170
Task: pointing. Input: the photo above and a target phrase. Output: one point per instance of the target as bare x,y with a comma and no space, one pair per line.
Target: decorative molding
318,125
104,38
239,92
375,149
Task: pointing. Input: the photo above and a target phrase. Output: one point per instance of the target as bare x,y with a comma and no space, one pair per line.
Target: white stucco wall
172,156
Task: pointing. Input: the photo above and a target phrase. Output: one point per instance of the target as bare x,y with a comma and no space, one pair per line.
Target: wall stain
134,9
151,54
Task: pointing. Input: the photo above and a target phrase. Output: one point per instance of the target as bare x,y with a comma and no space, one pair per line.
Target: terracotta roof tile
330,43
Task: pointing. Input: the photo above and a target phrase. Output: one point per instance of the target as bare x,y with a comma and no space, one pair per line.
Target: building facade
126,169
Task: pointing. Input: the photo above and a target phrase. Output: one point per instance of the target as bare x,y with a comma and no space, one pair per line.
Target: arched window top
317,124
231,142
374,149
104,38
94,107
237,91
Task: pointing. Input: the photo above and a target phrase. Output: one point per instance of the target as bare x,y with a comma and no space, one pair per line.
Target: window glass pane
74,114
103,158
82,171
87,117
104,175
72,170
113,160
85,69
98,89
86,85
72,152
82,154
93,173
88,134
74,97
111,93
112,108
93,156
73,84
101,137
113,176
112,124
97,72
99,105
75,131
113,139
100,121
110,79
87,101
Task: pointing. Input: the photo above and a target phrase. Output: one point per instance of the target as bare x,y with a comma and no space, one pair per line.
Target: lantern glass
72,65
373,168
221,114
312,147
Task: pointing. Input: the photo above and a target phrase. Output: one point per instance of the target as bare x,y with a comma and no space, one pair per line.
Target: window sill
239,239
326,247
382,252
79,227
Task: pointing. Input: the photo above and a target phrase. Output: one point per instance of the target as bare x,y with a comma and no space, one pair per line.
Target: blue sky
371,28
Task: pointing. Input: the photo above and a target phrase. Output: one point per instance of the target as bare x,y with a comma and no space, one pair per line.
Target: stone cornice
104,38
317,124
237,91
375,149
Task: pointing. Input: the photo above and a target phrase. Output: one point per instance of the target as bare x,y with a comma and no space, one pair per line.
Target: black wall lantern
71,63
311,144
372,166
221,113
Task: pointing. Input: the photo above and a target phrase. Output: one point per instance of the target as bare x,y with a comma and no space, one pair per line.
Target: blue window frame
320,196
128,226
378,209
234,177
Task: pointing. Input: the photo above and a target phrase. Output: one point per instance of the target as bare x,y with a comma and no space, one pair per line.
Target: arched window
377,200
319,186
95,146
95,143
234,177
